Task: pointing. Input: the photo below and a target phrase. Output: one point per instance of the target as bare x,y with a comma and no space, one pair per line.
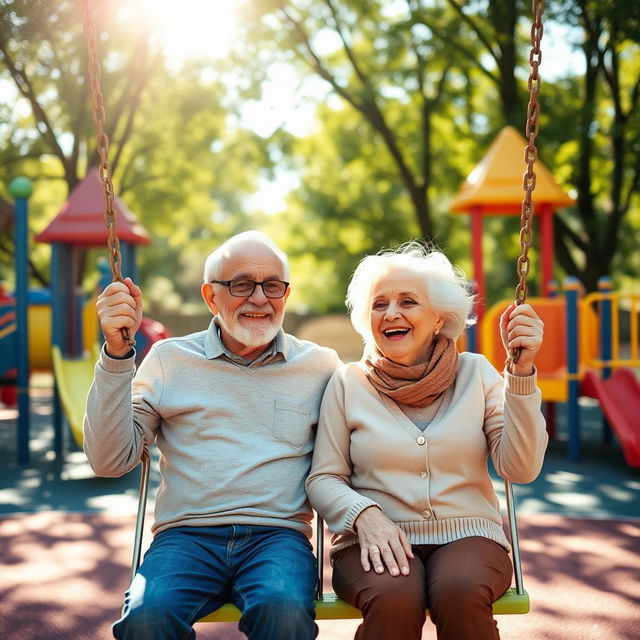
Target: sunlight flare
190,29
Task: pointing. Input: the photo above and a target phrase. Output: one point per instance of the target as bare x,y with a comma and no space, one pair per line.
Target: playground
67,536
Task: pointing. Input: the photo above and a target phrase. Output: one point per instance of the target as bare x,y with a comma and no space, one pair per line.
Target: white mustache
248,308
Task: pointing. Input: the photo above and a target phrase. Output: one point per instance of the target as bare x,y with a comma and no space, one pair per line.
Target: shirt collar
214,347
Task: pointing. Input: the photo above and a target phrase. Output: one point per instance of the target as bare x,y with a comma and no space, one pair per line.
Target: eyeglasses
245,288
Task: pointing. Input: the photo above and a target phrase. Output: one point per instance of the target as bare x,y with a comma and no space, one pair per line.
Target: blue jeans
269,573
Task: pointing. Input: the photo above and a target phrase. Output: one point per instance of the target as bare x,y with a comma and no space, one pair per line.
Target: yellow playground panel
73,378
619,302
39,316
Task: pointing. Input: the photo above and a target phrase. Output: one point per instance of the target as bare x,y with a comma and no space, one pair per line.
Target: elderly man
233,410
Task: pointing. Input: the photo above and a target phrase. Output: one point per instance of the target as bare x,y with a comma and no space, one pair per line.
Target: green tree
606,135
413,113
589,120
486,34
43,52
349,203
391,70
402,72
177,162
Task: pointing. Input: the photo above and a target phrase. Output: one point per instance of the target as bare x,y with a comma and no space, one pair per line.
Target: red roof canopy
81,219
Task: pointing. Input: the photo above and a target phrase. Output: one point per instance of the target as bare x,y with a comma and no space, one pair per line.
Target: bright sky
189,28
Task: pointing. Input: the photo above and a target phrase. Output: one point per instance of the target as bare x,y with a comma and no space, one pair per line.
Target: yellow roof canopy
495,184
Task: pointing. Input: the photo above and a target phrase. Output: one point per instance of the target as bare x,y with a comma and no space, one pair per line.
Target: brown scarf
418,385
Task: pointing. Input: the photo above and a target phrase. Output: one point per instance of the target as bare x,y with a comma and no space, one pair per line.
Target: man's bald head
242,242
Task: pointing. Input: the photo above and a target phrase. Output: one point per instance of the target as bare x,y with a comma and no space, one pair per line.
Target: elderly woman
400,464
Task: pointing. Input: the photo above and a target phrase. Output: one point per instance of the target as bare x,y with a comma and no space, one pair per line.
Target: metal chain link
530,156
102,148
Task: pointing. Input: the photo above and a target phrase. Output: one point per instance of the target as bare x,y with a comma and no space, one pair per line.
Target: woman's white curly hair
447,290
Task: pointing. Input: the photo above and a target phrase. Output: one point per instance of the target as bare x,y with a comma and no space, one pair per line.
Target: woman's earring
436,331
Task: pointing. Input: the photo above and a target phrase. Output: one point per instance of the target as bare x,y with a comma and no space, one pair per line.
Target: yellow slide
74,378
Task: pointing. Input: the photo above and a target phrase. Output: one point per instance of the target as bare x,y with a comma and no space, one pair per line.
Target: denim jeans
269,573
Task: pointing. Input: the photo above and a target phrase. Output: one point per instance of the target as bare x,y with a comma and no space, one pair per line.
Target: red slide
619,398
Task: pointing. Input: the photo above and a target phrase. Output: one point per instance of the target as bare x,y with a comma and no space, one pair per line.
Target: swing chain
102,148
530,156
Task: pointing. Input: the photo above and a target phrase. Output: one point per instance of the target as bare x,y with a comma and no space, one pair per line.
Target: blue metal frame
22,329
606,329
571,292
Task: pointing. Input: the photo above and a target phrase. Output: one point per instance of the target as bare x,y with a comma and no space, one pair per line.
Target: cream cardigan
434,484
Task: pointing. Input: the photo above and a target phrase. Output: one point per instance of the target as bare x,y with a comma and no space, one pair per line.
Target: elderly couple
255,427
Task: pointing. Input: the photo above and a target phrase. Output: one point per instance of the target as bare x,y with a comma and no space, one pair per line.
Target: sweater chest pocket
291,423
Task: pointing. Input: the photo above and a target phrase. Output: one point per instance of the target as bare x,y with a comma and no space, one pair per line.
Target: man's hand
520,327
119,306
382,543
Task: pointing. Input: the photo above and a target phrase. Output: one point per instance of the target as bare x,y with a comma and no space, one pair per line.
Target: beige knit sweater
434,484
235,441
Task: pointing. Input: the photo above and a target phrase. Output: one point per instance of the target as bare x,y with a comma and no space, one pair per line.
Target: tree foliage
43,52
418,70
177,162
605,141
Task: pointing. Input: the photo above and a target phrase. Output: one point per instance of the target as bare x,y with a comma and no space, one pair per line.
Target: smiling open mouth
390,333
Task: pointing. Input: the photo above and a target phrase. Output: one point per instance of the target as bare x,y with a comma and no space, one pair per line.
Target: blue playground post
605,313
56,340
550,407
129,263
21,189
66,314
572,292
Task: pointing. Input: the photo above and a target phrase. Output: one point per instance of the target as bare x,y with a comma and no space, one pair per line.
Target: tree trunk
503,16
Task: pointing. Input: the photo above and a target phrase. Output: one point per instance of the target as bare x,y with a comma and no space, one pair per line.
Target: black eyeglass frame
229,283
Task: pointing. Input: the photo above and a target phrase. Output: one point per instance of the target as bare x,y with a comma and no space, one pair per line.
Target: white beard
254,338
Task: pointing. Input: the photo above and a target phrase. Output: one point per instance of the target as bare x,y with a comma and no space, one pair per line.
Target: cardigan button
421,440
426,513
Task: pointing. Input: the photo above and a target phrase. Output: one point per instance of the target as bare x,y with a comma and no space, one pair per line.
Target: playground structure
38,337
494,187
582,355
58,330
581,347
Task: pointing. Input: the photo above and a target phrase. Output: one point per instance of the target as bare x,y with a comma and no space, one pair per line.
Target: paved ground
65,541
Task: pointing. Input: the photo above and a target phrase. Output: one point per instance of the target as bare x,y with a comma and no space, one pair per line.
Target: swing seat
332,608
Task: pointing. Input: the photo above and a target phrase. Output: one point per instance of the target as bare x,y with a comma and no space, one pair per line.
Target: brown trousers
458,582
